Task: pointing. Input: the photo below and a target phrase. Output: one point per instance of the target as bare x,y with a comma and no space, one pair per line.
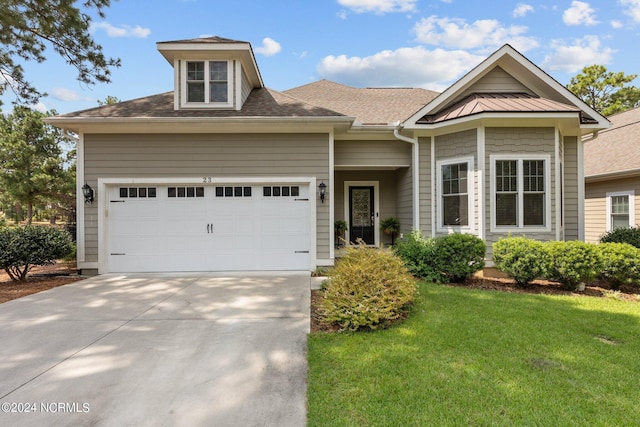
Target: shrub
573,262
458,256
368,288
620,264
520,258
22,248
630,235
418,253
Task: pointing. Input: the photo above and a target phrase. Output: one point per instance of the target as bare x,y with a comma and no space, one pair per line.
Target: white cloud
269,47
64,94
379,6
414,67
632,8
616,25
521,10
123,31
39,107
484,34
572,58
580,13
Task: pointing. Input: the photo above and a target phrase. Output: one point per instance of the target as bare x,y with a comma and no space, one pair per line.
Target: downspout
415,173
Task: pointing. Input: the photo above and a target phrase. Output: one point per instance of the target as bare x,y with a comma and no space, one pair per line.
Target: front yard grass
478,358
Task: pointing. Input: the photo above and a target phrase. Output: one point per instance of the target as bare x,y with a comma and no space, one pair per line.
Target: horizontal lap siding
518,141
595,211
425,185
571,201
372,153
404,199
199,155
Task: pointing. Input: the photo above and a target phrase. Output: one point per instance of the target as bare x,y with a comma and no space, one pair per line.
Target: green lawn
478,358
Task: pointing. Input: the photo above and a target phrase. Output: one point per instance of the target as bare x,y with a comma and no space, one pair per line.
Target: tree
605,91
32,164
109,100
28,27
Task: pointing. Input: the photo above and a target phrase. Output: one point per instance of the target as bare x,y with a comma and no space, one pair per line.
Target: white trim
632,207
376,206
547,171
237,99
207,103
332,213
471,195
480,153
103,212
580,152
558,183
80,177
433,183
176,84
416,185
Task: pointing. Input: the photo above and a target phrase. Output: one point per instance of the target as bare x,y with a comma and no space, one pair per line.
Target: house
612,176
223,173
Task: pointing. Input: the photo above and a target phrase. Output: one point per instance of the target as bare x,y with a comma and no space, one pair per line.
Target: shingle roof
204,40
616,149
477,103
372,106
261,102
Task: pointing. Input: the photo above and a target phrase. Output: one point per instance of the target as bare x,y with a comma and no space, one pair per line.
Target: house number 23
206,179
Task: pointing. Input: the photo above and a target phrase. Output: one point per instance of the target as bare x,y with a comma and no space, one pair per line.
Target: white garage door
208,228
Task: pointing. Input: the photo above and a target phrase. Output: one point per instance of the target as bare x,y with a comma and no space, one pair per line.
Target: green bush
520,258
418,253
620,264
22,248
459,255
368,288
630,235
573,262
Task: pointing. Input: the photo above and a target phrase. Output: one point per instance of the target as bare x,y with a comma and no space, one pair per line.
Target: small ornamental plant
368,289
520,258
620,264
572,262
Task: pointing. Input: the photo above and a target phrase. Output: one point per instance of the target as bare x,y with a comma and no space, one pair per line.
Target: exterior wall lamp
323,190
87,192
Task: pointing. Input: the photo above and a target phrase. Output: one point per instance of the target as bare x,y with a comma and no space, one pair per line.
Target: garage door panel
240,230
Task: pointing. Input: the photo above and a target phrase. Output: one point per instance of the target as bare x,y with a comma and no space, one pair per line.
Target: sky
362,43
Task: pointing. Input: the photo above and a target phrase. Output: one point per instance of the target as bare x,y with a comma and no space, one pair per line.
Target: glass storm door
361,215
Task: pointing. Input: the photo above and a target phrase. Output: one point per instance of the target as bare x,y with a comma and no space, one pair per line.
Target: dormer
211,72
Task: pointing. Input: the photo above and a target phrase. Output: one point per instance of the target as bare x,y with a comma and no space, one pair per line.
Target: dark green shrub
620,264
630,235
23,248
368,288
573,262
418,253
458,256
520,258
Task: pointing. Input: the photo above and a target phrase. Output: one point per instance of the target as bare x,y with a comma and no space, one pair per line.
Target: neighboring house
225,174
612,176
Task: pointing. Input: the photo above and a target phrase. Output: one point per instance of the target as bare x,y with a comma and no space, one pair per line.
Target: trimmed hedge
368,289
630,235
418,253
572,262
520,258
22,248
620,264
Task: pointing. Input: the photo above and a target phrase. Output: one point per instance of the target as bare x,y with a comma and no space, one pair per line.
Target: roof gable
509,72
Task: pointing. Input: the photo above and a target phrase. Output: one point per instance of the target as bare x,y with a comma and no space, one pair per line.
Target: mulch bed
39,279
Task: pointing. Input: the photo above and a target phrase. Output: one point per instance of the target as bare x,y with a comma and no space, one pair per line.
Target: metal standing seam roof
616,149
477,103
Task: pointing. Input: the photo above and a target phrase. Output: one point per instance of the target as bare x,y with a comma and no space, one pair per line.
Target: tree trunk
29,212
18,217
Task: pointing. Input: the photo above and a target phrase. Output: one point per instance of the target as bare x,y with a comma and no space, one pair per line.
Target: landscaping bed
40,279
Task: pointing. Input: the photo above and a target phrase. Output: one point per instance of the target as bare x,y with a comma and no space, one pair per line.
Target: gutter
415,172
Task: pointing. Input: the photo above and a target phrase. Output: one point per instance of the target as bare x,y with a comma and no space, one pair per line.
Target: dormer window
206,84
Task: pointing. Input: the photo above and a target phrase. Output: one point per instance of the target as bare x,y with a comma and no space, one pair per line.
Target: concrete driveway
158,350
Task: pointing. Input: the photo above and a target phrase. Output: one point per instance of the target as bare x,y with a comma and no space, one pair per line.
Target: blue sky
363,43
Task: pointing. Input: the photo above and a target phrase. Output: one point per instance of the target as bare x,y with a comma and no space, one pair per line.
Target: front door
361,214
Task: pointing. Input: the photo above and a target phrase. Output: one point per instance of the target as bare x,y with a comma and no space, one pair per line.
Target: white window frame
520,197
471,195
632,217
206,104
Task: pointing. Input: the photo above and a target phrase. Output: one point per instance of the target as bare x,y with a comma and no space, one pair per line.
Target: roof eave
607,176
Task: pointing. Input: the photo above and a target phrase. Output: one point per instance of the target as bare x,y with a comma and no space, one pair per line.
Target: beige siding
372,153
497,80
425,185
246,87
198,155
518,141
456,145
404,199
387,192
571,201
595,204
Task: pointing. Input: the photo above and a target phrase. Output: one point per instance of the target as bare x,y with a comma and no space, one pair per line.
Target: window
206,82
138,192
233,191
185,192
454,189
281,191
620,210
520,192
